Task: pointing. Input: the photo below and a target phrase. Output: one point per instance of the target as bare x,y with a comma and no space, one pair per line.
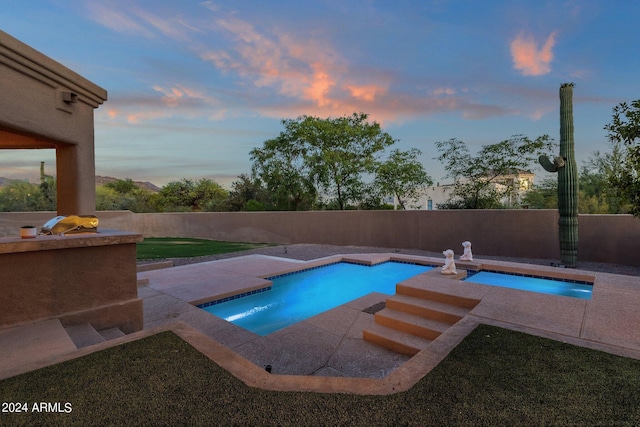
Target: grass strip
494,377
180,247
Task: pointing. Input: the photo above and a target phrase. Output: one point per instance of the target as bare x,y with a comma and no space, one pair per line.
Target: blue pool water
535,284
298,296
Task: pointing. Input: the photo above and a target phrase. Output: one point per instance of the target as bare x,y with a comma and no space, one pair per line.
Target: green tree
122,186
480,181
543,195
248,194
595,173
314,156
124,194
48,190
627,182
596,196
22,196
625,128
342,151
281,165
108,199
374,198
402,175
188,195
625,123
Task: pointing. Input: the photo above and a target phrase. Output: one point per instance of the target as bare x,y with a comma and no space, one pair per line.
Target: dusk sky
193,86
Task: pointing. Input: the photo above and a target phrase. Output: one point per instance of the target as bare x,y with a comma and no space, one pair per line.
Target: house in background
429,200
431,197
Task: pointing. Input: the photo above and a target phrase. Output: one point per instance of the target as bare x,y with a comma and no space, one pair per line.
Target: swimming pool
568,288
298,296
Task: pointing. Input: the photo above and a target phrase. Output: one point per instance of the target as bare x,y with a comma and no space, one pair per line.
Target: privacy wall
514,233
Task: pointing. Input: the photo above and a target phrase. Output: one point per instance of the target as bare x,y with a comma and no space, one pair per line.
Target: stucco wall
80,279
513,233
518,233
44,105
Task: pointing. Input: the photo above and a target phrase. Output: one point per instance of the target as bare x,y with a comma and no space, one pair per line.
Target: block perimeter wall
511,233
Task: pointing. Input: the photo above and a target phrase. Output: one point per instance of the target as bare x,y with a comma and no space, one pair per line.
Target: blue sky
193,86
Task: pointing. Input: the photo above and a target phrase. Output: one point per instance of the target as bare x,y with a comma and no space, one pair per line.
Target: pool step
411,323
429,294
419,312
426,308
395,340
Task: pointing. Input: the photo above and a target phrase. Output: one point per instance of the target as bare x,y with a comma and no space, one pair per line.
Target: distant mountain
6,181
102,180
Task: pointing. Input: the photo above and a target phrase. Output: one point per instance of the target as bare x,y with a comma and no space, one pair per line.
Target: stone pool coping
606,322
250,273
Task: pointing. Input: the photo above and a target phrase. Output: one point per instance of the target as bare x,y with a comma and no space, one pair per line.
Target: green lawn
181,247
495,377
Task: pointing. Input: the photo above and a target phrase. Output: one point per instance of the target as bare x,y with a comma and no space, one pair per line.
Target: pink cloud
115,18
301,69
528,58
137,117
123,17
174,27
174,100
179,95
308,71
366,93
444,91
305,72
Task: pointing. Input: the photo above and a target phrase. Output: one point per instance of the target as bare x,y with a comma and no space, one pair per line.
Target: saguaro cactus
565,166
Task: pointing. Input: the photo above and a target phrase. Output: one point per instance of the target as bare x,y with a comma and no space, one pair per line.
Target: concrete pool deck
327,352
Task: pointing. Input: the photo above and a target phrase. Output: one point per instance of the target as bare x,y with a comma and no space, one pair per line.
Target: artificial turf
181,247
494,377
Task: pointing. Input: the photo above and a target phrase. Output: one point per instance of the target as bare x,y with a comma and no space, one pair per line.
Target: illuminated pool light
298,296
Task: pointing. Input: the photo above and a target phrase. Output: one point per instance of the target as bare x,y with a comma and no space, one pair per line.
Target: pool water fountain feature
300,295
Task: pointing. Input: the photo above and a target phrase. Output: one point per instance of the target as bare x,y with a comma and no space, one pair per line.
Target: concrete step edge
417,291
411,323
427,305
392,339
153,266
111,333
84,335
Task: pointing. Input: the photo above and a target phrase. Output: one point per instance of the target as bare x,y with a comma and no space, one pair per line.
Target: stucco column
75,170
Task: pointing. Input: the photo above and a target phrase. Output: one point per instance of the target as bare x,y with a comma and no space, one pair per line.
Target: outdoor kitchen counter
76,278
42,242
